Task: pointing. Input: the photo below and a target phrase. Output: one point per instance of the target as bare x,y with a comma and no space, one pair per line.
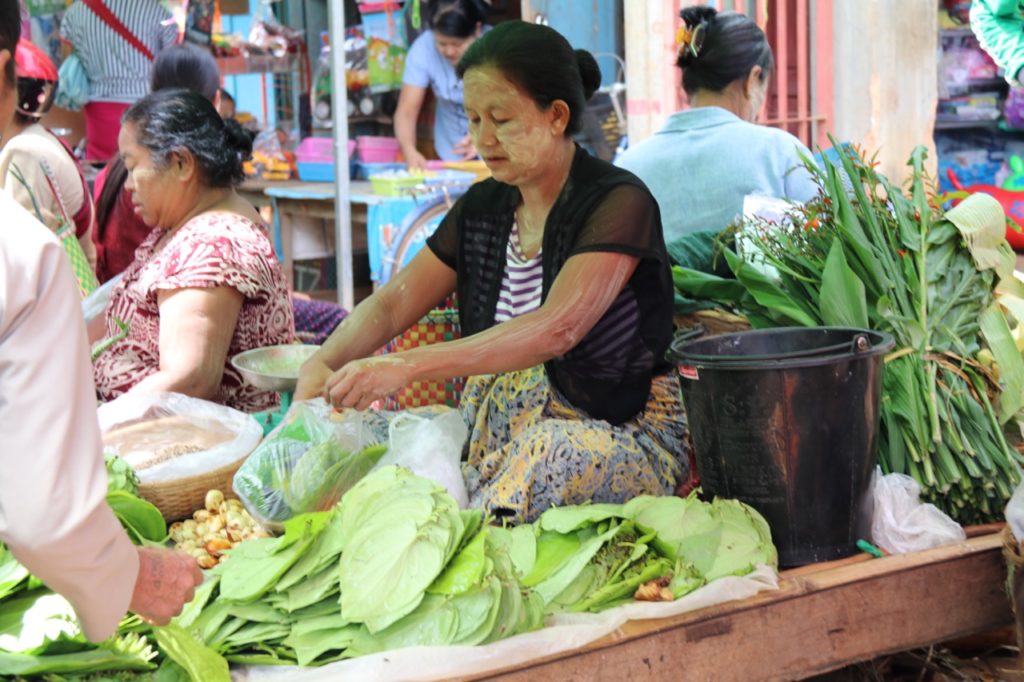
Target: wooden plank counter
823,617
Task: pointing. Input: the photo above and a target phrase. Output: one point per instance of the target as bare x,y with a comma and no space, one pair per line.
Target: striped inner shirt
522,282
117,71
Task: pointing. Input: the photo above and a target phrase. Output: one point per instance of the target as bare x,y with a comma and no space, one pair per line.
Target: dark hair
458,18
185,66
181,66
10,32
725,47
169,121
540,61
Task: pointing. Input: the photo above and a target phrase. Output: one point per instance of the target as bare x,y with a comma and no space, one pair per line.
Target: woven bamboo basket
714,322
178,498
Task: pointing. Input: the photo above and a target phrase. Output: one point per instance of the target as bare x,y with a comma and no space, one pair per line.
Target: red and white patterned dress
211,250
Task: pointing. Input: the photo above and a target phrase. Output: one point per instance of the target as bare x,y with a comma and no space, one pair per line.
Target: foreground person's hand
361,382
167,581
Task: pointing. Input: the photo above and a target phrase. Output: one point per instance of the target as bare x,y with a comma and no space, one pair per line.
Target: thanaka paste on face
524,140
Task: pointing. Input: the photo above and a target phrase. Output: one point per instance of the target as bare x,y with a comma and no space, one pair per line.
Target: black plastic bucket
786,420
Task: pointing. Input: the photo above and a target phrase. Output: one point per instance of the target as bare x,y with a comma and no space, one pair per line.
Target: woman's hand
465,148
414,160
361,382
167,581
312,376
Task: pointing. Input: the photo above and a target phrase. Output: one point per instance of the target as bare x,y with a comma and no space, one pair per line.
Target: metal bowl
273,368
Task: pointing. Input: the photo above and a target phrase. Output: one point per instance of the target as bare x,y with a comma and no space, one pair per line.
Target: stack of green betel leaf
589,558
876,257
396,564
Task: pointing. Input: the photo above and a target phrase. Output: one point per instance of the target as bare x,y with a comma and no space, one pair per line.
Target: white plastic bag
902,523
168,436
430,447
1015,513
95,304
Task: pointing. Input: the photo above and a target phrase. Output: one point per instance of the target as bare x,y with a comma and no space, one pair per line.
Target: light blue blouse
705,160
425,67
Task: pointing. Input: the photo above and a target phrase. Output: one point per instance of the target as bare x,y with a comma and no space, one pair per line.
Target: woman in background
708,157
205,284
119,229
117,65
37,169
430,64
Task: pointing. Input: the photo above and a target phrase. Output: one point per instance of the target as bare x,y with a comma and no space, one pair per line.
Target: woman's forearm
580,296
526,341
197,384
405,130
371,325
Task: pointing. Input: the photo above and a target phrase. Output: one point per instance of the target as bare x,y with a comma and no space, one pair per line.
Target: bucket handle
690,333
860,343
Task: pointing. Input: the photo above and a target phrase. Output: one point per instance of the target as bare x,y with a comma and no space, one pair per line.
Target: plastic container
450,177
395,183
377,149
786,420
364,170
314,159
316,172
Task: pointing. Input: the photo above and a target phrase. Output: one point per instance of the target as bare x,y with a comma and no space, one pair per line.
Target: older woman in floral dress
205,284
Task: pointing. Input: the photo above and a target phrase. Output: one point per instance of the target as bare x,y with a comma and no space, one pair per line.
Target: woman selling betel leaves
565,300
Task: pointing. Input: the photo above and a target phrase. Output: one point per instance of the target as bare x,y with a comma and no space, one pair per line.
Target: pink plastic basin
377,149
319,150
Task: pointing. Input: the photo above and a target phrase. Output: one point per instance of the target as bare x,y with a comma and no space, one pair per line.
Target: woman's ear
753,81
559,114
183,164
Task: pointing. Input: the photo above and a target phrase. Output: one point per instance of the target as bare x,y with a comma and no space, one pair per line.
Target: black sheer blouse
601,208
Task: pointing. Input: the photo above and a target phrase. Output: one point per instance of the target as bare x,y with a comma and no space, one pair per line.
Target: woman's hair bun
590,72
697,14
237,138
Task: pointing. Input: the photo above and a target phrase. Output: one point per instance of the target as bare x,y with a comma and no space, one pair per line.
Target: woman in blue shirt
708,157
430,63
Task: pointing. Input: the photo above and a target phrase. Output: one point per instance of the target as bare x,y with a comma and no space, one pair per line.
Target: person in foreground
53,512
565,300
707,158
205,284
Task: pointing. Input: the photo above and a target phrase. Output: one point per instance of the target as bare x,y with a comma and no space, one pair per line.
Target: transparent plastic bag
307,463
169,436
430,447
902,523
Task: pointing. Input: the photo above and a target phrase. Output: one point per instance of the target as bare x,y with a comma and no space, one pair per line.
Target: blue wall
593,25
